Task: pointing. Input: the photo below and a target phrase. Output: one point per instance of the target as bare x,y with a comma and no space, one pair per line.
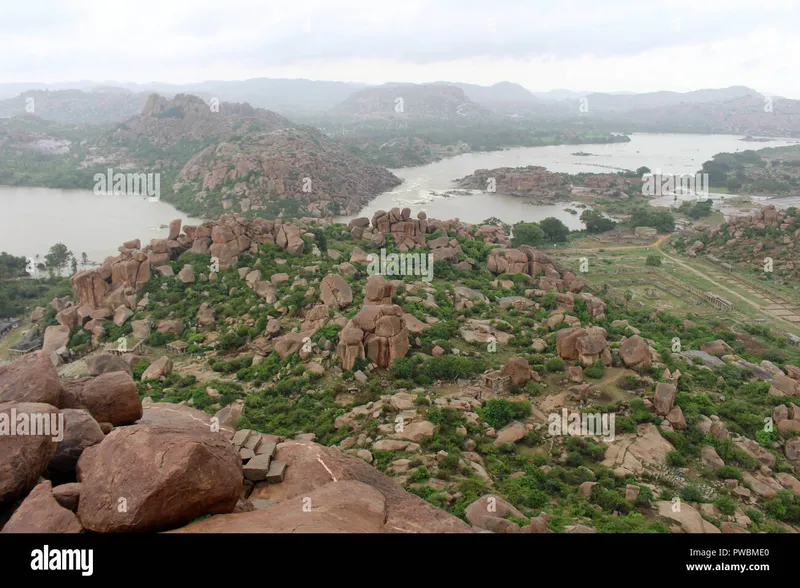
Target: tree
596,223
654,260
527,234
84,259
642,171
10,266
554,230
734,185
662,220
57,258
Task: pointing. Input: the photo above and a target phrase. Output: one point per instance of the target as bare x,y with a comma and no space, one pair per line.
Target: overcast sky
594,45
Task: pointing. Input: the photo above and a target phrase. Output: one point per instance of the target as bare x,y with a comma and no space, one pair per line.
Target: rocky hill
746,115
773,171
413,101
210,157
163,122
334,391
543,186
96,107
316,174
746,241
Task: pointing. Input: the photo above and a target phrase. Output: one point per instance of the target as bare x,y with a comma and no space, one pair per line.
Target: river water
33,219
424,188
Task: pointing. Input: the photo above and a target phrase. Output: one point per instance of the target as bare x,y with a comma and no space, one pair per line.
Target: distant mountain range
737,109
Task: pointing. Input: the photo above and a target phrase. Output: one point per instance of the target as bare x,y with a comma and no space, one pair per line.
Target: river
424,187
33,219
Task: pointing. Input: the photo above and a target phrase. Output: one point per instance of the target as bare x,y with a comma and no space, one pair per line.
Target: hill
98,106
464,384
413,101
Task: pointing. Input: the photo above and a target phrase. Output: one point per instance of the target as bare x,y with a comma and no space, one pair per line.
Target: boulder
157,370
487,507
31,378
150,477
664,398
711,458
518,369
635,353
121,315
511,433
335,292
23,458
80,432
106,363
348,506
311,466
205,315
54,337
110,398
41,513
141,329
687,517
717,348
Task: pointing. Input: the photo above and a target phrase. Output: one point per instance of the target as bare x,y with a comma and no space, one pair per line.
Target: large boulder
335,292
664,398
481,512
689,519
311,466
635,353
518,369
54,338
80,432
718,347
593,347
41,513
157,370
377,332
106,363
348,506
567,342
205,315
23,458
165,414
110,398
150,477
31,378
288,239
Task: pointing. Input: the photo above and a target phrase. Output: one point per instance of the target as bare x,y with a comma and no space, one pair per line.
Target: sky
594,45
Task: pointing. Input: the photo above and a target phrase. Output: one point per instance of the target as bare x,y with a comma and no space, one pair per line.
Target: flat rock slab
257,468
277,471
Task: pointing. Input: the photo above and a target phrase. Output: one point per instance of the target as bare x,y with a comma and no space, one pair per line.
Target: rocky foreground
124,467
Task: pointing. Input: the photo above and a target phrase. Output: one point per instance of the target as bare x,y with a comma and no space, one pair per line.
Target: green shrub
498,412
676,459
726,505
727,472
554,365
596,371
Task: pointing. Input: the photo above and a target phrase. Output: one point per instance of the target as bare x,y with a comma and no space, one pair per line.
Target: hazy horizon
668,45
